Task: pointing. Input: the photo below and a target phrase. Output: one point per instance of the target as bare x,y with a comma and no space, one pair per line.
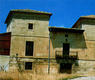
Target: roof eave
65,30
9,15
74,26
11,12
81,18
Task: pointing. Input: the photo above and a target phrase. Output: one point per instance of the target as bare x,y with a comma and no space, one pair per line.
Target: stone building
37,48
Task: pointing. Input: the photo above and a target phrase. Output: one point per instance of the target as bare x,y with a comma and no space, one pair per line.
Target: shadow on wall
65,63
65,68
76,40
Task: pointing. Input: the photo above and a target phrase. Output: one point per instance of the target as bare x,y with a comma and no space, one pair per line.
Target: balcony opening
66,49
65,68
29,48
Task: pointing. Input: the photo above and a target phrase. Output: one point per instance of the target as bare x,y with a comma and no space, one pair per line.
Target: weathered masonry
33,46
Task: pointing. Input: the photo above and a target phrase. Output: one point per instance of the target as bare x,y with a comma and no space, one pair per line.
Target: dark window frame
66,49
30,26
28,65
66,35
66,68
29,48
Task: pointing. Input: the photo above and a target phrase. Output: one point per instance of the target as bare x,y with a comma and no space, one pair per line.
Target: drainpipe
49,56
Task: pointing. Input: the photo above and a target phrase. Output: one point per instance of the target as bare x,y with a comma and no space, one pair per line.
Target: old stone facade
37,48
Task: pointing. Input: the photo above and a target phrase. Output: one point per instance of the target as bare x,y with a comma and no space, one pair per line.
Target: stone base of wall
83,67
41,66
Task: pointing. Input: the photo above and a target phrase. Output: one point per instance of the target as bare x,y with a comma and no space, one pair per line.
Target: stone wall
83,67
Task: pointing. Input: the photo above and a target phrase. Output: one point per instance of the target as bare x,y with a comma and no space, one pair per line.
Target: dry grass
8,76
28,76
54,77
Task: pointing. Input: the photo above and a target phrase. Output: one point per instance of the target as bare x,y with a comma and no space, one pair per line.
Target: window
28,65
29,48
66,48
66,35
65,67
30,26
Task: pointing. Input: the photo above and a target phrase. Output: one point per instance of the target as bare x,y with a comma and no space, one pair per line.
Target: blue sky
65,12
